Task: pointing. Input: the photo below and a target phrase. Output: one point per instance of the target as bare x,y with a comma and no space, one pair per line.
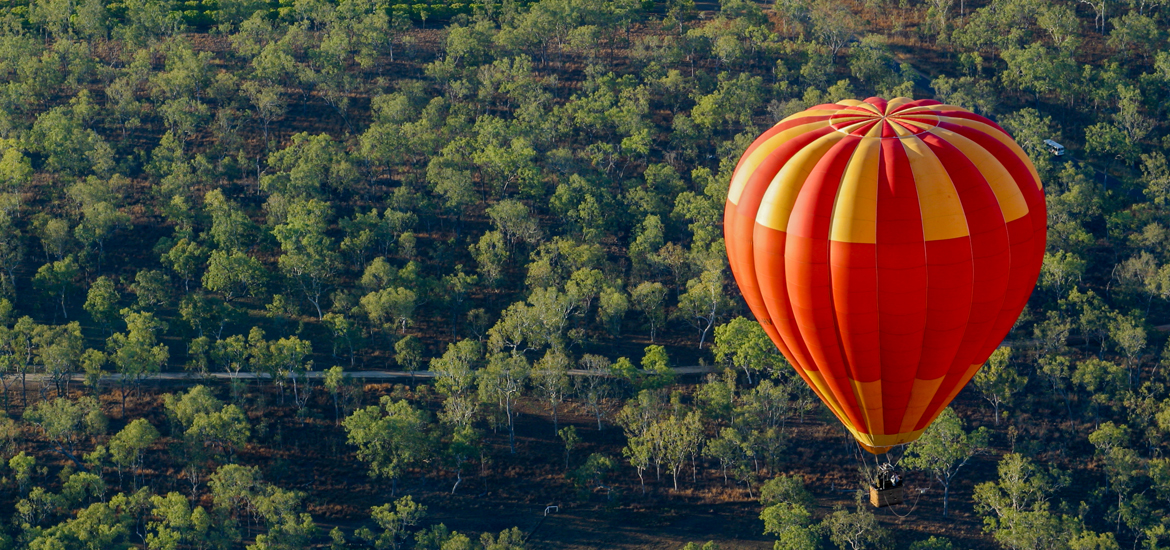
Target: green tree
394,521
455,379
515,223
310,257
438,537
1134,33
458,285
729,449
391,307
1129,335
288,527
1123,135
216,434
390,437
833,23
59,350
11,253
550,378
682,438
1061,24
595,385
1156,174
1094,316
127,448
182,409
1060,270
1015,507
81,487
177,523
640,452
491,254
933,543
23,466
570,439
234,274
944,448
232,487
1030,129
612,305
656,367
856,530
997,381
870,62
137,352
15,168
92,364
102,302
347,333
1123,465
650,299
649,239
152,288
593,472
285,360
231,229
269,104
100,525
307,165
508,539
519,327
21,343
743,344
206,315
70,148
1103,381
57,278
99,222
704,302
503,382
64,422
408,353
55,236
335,381
793,526
786,489
186,259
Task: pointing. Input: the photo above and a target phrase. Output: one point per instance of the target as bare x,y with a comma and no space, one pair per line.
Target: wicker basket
886,497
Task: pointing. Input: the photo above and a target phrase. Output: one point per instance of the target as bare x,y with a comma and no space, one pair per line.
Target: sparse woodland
519,205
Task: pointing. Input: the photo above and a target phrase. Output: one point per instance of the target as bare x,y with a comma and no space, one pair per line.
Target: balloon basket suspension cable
867,472
872,474
893,465
860,453
912,506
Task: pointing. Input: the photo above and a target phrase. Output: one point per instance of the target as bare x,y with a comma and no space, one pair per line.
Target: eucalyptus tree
503,381
102,302
137,352
66,422
310,257
390,437
550,378
944,448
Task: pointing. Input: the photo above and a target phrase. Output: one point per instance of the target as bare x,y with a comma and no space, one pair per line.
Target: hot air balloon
887,248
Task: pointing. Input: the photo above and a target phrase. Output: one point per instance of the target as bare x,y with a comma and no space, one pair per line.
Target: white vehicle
1056,148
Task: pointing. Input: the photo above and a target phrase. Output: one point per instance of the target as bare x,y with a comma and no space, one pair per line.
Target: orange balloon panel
887,248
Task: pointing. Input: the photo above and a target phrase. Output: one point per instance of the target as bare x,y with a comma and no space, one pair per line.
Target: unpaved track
359,374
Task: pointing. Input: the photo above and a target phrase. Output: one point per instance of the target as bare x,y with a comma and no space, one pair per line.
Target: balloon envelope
887,248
